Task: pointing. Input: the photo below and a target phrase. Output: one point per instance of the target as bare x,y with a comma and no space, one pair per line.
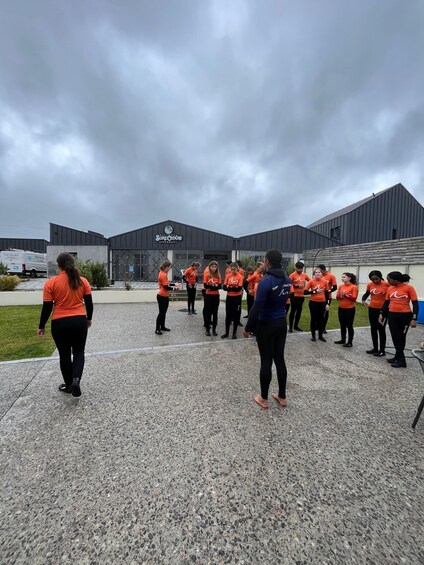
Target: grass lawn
361,316
18,334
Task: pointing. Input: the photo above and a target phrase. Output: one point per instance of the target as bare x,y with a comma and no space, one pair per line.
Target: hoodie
271,297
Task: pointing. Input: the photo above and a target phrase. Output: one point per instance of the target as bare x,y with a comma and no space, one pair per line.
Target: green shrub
85,270
9,282
99,277
3,269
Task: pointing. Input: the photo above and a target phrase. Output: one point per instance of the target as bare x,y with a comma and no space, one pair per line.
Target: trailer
24,263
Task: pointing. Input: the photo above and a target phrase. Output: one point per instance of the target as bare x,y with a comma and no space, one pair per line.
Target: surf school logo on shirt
168,236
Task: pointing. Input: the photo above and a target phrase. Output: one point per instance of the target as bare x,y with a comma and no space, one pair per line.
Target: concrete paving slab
166,459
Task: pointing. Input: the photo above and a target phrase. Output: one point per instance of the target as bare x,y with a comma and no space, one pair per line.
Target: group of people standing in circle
270,294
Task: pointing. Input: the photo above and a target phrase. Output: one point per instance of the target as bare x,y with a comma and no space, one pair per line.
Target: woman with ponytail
68,295
396,309
347,293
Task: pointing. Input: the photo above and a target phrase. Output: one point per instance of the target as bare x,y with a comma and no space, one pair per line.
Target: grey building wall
191,238
84,253
291,239
34,245
61,235
391,214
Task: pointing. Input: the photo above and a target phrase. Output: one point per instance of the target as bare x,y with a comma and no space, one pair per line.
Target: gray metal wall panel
193,238
61,235
34,245
293,239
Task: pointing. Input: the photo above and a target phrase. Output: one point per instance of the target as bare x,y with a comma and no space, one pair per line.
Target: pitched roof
350,208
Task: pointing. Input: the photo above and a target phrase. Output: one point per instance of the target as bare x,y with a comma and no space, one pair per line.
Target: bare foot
261,401
281,401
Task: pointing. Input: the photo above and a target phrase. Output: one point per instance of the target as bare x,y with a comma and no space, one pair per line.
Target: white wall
97,253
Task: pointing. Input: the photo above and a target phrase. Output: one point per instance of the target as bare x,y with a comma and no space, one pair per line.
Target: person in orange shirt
397,310
163,297
319,302
299,280
212,283
68,295
332,285
377,289
233,284
252,278
190,276
347,294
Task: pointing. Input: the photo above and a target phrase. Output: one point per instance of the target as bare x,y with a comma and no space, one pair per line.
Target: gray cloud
238,117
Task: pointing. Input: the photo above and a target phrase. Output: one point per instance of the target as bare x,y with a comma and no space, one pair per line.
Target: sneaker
322,339
64,388
76,389
371,351
214,332
324,332
379,354
348,344
392,360
290,331
158,332
340,342
194,312
165,330
313,338
208,333
224,336
298,329
399,364
234,336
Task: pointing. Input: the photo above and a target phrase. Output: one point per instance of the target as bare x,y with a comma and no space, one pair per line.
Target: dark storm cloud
238,117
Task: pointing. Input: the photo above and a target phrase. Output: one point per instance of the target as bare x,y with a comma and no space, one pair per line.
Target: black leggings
211,310
191,297
346,317
271,339
317,310
377,329
250,301
399,325
70,335
296,310
232,313
163,302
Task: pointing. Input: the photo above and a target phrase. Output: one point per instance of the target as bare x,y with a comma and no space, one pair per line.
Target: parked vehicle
24,263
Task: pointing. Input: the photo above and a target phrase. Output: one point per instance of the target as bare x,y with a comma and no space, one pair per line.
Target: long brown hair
66,262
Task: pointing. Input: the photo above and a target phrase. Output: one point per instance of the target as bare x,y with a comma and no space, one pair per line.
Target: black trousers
317,310
232,313
399,326
191,297
70,335
377,330
271,339
296,310
211,310
163,303
346,317
250,301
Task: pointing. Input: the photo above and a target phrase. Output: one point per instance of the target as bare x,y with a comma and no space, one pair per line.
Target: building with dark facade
34,245
390,214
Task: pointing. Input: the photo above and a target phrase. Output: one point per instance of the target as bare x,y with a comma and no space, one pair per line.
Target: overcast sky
236,116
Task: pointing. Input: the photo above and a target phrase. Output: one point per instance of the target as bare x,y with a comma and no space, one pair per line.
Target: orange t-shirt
234,280
315,284
378,293
331,279
191,275
347,295
67,301
400,297
211,279
252,280
299,281
163,281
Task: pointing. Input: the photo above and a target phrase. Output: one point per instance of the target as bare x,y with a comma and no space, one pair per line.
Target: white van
24,263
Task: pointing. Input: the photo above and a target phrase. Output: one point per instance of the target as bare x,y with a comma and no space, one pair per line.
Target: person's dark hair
195,263
239,263
234,265
164,265
299,265
352,277
398,276
378,274
66,262
322,267
228,262
274,257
